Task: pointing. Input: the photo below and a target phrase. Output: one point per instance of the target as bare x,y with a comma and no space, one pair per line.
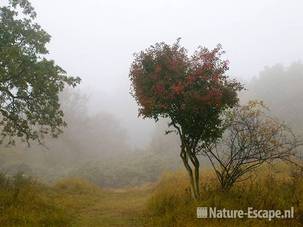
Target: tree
251,139
191,92
29,83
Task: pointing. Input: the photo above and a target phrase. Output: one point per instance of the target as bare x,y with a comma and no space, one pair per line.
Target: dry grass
77,202
269,188
71,202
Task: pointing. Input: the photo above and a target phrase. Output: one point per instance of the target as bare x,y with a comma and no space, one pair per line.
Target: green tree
191,92
29,83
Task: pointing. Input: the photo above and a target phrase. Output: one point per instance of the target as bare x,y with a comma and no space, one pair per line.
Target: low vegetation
70,202
78,202
24,202
272,187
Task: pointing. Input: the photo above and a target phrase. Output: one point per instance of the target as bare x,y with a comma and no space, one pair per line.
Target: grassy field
71,202
77,202
92,206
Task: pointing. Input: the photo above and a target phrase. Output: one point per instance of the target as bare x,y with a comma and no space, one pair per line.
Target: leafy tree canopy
29,83
191,91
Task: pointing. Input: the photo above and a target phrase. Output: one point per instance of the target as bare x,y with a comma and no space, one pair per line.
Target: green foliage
29,83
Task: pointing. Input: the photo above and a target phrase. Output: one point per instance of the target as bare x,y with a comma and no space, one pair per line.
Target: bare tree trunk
195,162
190,173
197,175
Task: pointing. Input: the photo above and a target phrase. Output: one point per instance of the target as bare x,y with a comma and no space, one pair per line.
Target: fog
96,40
77,154
105,141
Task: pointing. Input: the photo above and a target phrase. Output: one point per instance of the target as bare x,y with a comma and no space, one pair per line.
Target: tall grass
24,202
269,188
77,202
69,202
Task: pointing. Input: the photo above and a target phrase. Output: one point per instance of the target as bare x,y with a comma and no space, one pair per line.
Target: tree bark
184,158
197,175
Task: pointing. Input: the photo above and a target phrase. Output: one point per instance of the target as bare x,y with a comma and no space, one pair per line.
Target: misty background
96,39
105,140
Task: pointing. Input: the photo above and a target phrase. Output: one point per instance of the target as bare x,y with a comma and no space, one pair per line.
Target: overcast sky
95,39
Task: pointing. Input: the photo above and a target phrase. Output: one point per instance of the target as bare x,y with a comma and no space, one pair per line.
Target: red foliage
178,88
191,91
159,89
164,79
